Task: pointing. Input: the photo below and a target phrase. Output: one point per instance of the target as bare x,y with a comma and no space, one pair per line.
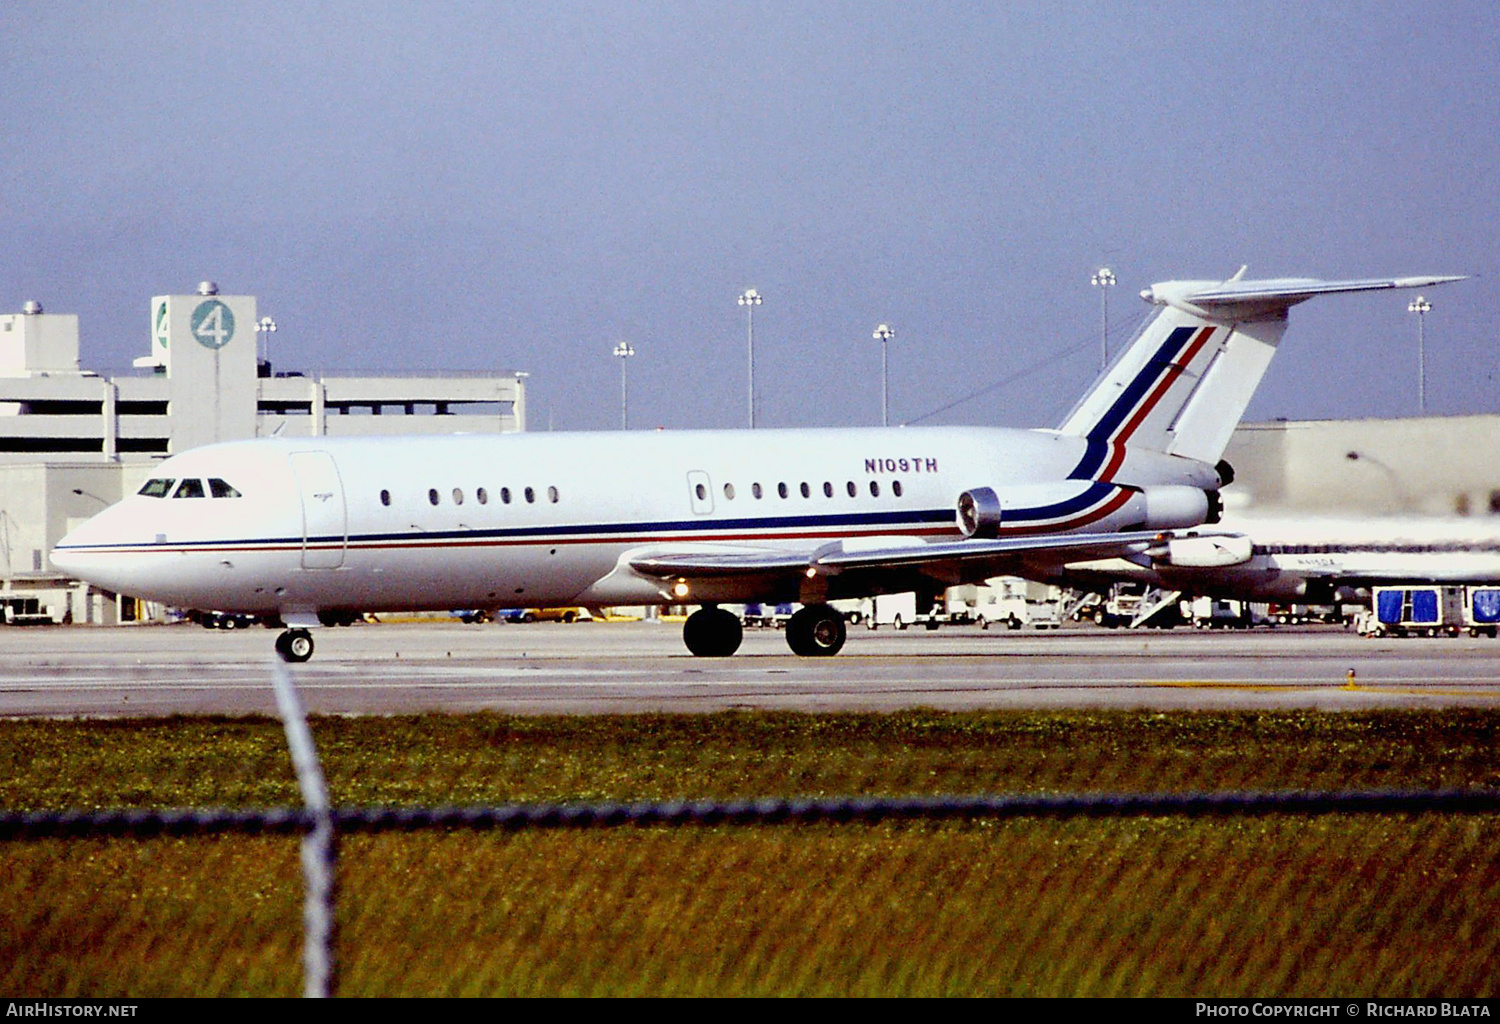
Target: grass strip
1396,905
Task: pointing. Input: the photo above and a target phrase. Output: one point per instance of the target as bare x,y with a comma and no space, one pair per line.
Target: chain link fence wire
1128,854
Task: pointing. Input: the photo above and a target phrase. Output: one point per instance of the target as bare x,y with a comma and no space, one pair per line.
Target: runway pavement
551,668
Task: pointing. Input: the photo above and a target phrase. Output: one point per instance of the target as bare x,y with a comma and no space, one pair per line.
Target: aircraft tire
295,646
817,631
712,633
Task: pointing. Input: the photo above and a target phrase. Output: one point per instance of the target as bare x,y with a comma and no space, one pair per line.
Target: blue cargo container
1483,611
1421,610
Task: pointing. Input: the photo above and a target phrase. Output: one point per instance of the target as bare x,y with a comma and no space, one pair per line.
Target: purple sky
522,185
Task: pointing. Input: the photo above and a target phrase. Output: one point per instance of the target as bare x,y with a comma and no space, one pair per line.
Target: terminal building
73,441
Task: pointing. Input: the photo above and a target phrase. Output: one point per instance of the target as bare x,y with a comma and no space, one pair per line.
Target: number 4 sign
213,324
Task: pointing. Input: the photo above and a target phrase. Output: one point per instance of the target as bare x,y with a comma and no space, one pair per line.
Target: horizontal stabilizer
1240,300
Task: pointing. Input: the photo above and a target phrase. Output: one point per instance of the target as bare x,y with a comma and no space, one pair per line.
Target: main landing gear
711,632
816,631
295,645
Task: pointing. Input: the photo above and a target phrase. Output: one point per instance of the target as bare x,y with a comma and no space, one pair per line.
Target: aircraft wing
888,564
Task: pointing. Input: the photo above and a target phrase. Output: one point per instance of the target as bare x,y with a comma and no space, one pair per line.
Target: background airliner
318,530
1306,559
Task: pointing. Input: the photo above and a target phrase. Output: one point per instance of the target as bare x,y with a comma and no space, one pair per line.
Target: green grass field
1339,904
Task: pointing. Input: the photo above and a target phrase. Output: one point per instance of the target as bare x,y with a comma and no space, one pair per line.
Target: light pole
884,334
624,351
1104,280
1421,307
750,299
1404,499
266,327
81,492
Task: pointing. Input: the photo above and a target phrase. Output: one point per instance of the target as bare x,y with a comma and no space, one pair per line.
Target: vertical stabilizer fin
1187,377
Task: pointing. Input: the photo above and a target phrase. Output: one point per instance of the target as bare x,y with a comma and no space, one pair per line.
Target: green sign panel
161,325
213,324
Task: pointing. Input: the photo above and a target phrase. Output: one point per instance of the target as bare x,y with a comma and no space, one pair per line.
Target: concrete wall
1438,465
39,502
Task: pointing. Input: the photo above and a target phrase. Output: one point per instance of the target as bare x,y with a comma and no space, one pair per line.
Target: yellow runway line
1213,684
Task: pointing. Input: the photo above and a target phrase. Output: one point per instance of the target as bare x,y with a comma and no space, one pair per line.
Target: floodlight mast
1421,307
884,334
623,351
751,298
265,327
1104,280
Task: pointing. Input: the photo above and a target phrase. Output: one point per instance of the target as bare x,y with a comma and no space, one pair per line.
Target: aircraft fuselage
323,524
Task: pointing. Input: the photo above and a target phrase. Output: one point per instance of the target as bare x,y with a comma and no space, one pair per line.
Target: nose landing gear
295,646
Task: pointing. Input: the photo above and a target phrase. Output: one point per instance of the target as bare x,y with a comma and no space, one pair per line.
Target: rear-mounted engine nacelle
1173,506
979,512
1202,552
1069,505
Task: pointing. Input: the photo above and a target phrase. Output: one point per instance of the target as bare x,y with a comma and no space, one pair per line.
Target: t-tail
1187,376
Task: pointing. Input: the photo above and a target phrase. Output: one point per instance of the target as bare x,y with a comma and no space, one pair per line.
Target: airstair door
325,518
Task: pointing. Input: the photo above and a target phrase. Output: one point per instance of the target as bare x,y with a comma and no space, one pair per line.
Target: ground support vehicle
1227,613
20,610
1421,610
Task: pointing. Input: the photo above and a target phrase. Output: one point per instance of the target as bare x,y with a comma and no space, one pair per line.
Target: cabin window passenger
189,488
827,489
852,489
221,489
781,490
432,495
896,488
806,490
729,491
701,492
530,495
755,490
158,488
874,488
482,496
385,497
458,496
552,495
505,495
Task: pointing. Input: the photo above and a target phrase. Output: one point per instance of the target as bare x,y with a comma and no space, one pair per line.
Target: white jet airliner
317,530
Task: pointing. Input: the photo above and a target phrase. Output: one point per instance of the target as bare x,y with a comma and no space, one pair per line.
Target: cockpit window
220,489
189,488
157,488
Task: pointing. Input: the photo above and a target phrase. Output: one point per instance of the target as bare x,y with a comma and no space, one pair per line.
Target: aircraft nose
63,558
74,554
68,556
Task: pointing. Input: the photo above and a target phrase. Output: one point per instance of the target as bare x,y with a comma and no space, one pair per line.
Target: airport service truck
1421,610
898,610
1227,613
27,610
1013,602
